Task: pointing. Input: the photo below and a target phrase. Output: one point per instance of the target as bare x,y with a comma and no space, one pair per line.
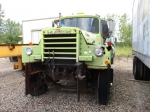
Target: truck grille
60,47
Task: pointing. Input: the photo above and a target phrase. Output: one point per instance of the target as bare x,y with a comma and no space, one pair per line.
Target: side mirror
111,25
115,40
55,22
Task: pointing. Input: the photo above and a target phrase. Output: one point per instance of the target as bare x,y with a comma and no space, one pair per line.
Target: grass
123,51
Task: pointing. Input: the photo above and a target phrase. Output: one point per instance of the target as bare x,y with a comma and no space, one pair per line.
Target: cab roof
80,16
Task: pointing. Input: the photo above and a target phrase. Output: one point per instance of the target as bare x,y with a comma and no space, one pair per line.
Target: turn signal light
30,43
109,43
106,62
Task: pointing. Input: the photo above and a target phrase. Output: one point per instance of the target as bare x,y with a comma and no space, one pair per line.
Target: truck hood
89,37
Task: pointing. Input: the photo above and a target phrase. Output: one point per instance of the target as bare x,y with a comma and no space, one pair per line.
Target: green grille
60,46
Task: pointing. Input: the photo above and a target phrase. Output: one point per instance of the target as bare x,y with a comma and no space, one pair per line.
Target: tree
11,32
1,23
112,17
125,29
1,15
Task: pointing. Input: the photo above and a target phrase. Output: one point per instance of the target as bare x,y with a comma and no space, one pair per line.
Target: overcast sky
19,10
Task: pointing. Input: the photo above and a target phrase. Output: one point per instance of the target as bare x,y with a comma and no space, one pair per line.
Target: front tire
40,91
37,86
103,87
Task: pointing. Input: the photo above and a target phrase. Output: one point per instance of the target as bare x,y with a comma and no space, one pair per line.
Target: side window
105,30
95,26
100,29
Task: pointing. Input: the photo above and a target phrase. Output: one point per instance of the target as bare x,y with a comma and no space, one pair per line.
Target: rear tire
103,87
146,73
137,69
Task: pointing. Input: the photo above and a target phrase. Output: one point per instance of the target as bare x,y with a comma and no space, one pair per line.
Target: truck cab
73,56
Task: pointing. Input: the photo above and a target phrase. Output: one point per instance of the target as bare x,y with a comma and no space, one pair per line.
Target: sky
19,10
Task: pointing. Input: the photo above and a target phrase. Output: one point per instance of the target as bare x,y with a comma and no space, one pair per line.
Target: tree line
9,30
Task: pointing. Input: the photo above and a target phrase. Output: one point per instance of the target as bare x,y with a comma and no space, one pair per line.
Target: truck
141,39
72,57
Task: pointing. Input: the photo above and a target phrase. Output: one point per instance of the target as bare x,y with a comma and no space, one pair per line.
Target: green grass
123,51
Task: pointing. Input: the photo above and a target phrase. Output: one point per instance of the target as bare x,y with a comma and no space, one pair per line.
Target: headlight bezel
99,51
29,52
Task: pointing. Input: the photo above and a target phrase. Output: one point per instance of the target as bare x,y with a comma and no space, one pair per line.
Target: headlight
99,51
28,51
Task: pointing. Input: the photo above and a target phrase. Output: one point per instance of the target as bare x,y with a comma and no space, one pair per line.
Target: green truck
72,56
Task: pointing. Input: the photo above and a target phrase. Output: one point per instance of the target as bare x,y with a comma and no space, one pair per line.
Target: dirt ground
127,95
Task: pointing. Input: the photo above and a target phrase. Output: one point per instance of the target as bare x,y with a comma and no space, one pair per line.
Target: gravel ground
126,95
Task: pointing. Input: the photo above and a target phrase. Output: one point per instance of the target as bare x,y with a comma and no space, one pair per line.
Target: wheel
37,86
137,69
134,66
103,87
112,61
111,75
13,59
146,73
38,92
10,59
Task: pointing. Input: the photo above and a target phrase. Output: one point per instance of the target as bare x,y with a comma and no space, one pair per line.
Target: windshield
88,24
